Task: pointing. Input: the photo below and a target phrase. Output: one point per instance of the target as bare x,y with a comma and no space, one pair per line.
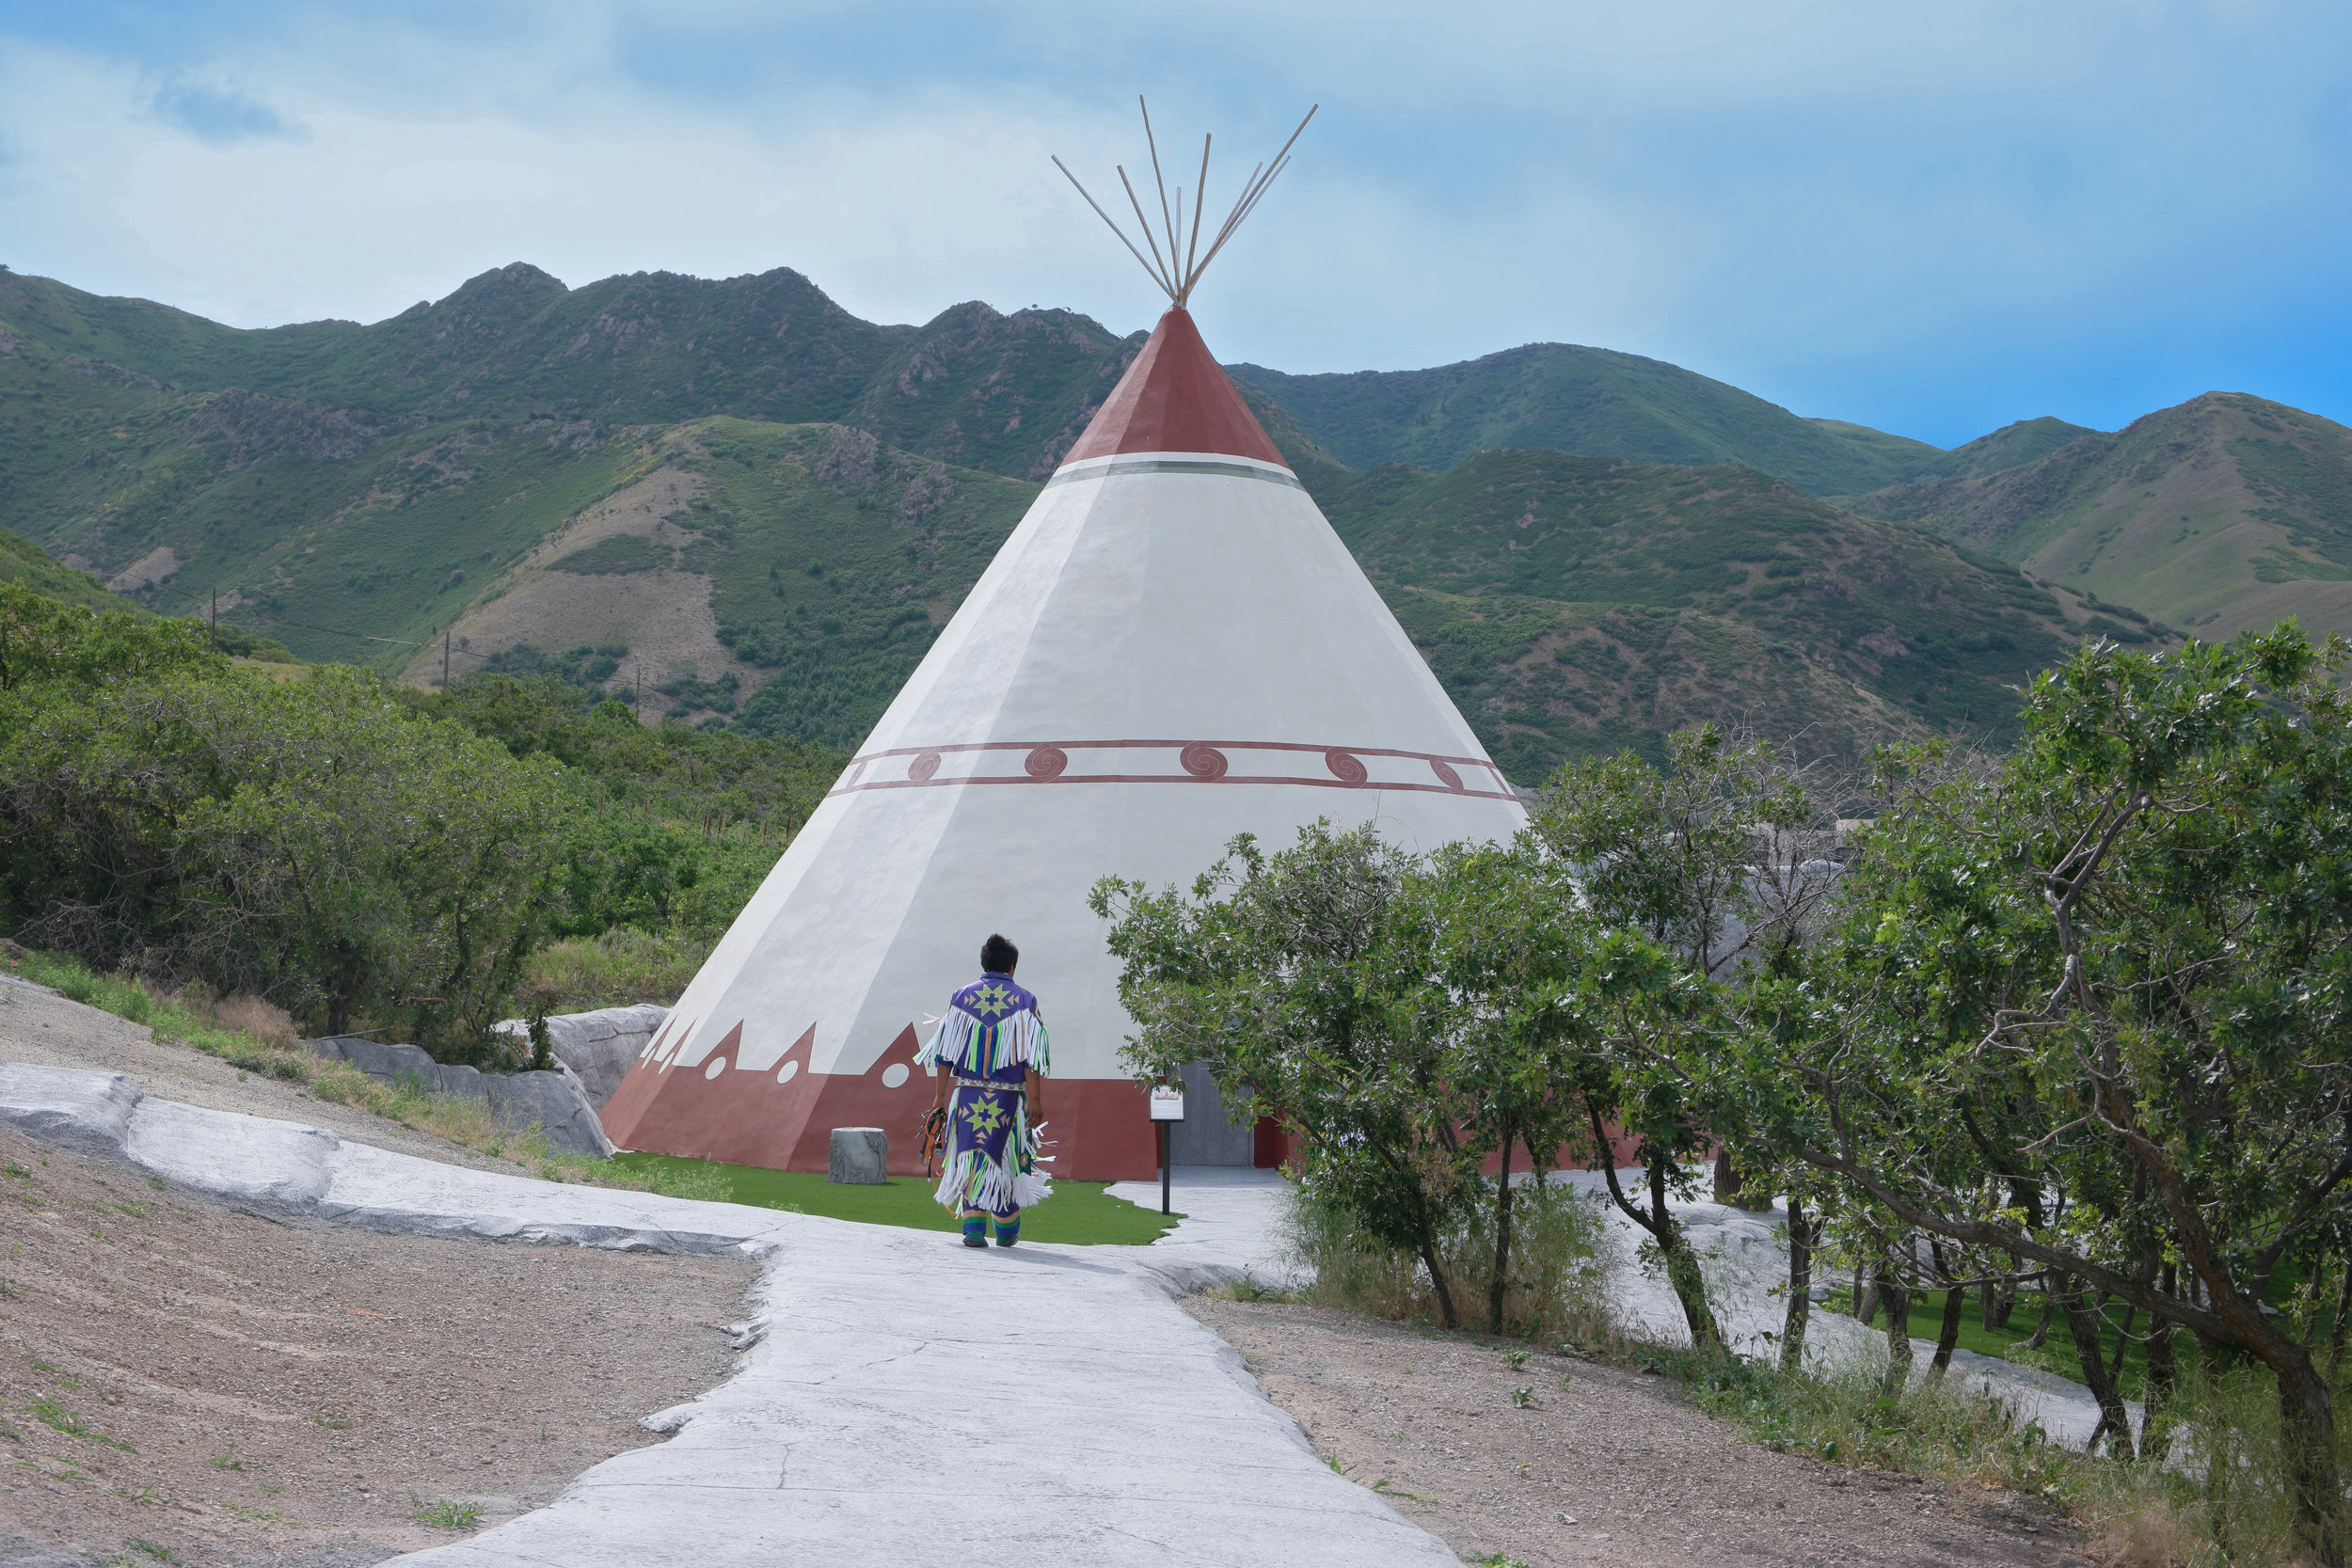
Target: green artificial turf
1081,1214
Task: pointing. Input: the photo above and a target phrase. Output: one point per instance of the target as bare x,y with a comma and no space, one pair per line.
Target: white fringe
955,1190
965,1044
948,1041
955,1184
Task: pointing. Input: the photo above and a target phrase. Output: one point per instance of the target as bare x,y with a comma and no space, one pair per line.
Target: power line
277,621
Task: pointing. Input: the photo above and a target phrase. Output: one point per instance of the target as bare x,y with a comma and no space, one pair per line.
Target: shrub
1562,1267
2226,1498
616,969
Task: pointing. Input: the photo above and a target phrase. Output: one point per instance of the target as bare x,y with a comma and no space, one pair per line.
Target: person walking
989,1055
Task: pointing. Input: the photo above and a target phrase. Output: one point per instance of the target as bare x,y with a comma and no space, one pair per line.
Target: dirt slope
1612,1469
181,1377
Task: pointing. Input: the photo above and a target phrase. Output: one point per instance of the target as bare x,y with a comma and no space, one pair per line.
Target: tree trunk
1436,1278
1800,1313
2307,1421
2049,1310
2083,1322
1947,1336
1999,1302
1682,1266
2123,1344
1861,1305
1503,1242
1897,1296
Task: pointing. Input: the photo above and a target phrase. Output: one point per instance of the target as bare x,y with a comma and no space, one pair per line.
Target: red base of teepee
1098,1128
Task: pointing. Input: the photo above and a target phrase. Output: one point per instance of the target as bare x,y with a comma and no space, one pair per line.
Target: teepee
1172,648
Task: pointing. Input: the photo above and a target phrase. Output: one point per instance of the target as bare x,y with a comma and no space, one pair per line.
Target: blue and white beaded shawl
991,1029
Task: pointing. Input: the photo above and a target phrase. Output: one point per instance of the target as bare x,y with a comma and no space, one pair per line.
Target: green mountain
2012,446
687,562
1002,392
1576,604
23,562
2224,512
1586,400
735,504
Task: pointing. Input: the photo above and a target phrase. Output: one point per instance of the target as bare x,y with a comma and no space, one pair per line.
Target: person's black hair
997,955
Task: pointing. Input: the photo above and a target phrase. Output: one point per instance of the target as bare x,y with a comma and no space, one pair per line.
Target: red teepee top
1175,398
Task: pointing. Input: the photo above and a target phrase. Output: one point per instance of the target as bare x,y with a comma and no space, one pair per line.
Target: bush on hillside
349,850
1562,1268
616,969
306,842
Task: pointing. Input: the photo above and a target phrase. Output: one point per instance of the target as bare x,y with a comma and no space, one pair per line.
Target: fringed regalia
991,1039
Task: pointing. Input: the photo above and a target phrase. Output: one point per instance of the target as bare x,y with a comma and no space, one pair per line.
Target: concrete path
904,1401
1233,1220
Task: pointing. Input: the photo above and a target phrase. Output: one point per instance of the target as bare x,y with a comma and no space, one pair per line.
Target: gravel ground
44,1029
177,1376
1614,1468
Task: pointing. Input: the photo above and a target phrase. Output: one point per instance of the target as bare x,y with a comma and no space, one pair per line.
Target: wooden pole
1161,181
1143,223
445,661
1200,196
1106,219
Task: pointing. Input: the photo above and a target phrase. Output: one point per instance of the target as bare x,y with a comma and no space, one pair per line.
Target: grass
617,969
443,1514
56,1417
1847,1418
1080,1214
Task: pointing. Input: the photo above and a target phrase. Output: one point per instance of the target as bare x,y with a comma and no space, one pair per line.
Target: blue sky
1933,218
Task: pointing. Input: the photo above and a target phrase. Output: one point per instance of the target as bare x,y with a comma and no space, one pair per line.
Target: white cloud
1762,189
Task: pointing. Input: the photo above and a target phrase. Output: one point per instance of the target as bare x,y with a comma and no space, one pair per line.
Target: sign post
1168,1105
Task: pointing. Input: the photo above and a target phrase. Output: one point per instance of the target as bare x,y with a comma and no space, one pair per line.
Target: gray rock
860,1155
599,1046
555,1101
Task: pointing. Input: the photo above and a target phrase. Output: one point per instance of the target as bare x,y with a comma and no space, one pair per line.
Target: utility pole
445,661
